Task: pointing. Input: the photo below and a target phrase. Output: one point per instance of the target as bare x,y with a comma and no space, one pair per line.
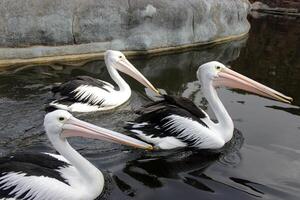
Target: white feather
95,95
69,173
40,187
183,127
46,188
140,125
58,157
161,142
187,128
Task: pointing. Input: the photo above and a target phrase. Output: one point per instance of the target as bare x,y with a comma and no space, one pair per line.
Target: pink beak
75,127
126,67
232,79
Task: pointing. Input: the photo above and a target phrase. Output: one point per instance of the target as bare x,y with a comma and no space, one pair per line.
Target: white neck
91,177
114,74
225,125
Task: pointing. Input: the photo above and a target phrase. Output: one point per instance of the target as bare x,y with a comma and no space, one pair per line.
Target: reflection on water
263,162
177,163
272,55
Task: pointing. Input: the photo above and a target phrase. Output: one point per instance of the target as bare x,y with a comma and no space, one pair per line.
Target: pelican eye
218,67
61,118
120,56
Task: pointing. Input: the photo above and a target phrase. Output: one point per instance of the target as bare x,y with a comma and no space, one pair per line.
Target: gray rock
34,22
117,24
264,8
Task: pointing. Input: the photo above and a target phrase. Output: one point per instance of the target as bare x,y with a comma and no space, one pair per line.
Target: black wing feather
66,90
32,164
170,105
153,116
186,104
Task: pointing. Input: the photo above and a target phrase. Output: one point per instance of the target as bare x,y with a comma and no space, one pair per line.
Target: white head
209,71
113,56
117,60
220,75
60,124
54,121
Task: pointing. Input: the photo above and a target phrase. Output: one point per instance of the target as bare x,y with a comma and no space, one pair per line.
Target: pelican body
87,94
177,122
64,176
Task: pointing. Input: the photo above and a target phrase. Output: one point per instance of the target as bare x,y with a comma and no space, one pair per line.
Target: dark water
261,162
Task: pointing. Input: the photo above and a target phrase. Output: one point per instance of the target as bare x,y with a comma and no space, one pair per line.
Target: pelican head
220,75
61,124
118,60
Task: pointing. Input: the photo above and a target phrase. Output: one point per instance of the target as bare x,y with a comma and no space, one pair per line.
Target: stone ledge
265,8
81,53
119,24
40,32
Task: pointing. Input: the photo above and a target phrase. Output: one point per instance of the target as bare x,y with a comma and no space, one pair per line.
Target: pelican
38,176
177,122
87,94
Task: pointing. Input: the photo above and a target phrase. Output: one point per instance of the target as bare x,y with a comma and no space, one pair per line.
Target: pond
261,162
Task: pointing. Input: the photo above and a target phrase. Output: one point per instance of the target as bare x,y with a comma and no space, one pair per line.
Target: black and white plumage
23,174
84,93
177,122
172,122
45,176
87,94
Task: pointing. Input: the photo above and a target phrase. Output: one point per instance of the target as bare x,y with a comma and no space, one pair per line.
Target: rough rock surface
295,4
119,24
289,7
74,29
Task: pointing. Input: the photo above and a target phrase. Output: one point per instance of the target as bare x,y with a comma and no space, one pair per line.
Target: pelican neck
92,177
225,124
114,74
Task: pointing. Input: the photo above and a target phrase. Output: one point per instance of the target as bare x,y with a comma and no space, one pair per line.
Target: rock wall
280,3
115,24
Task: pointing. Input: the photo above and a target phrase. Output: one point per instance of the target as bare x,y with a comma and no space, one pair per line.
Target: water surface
261,162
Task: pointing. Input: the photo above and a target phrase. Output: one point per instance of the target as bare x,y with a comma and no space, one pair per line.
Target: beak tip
289,100
150,148
157,91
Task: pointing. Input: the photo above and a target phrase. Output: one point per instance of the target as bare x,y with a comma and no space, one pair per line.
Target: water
261,162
